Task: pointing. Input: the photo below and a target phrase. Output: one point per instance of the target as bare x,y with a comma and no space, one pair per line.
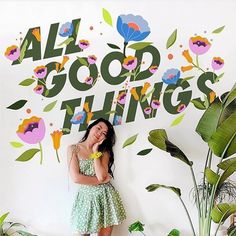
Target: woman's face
98,132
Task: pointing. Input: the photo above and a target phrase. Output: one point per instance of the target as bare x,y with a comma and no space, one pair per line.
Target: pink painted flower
155,104
89,80
121,98
31,130
181,108
40,72
148,110
130,63
153,69
83,44
217,63
92,59
199,45
39,89
12,53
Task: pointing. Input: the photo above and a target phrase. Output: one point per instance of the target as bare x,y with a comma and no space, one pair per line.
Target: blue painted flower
78,118
132,28
117,120
66,29
171,76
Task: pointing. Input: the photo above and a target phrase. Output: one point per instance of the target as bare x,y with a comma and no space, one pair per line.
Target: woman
97,207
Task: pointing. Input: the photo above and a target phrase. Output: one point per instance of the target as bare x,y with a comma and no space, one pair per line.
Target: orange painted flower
134,94
186,68
187,56
64,60
36,33
212,96
56,138
86,106
89,117
145,88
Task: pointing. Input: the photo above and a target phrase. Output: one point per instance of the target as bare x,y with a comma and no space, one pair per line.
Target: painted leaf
50,106
139,46
218,30
148,94
69,110
27,82
219,77
17,105
153,187
127,74
178,120
22,51
27,155
110,112
136,226
16,144
65,130
174,232
23,233
187,78
171,40
107,16
144,152
113,46
130,140
198,103
46,93
82,61
169,91
3,217
66,42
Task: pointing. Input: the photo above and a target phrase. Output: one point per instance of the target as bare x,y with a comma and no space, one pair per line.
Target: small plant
215,195
8,228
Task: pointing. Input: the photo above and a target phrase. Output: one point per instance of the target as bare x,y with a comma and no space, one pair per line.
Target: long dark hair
108,143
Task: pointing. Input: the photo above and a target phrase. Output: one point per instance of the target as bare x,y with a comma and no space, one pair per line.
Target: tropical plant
9,228
217,127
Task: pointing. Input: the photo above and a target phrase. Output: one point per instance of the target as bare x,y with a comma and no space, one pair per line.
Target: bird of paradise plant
217,127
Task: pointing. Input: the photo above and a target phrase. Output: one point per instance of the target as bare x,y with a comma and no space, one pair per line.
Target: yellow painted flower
186,68
212,96
64,60
36,34
134,93
89,117
145,88
56,138
187,56
86,106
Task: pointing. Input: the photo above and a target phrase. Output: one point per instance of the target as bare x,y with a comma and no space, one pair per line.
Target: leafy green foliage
136,226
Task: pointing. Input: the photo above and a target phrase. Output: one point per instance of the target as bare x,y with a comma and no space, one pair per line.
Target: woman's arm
77,177
101,166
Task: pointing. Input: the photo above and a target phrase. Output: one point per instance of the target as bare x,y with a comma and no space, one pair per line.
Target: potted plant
217,127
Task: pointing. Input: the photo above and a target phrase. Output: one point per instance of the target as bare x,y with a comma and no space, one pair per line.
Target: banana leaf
154,187
222,211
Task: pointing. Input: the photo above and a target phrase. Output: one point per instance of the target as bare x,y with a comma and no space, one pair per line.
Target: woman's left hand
96,145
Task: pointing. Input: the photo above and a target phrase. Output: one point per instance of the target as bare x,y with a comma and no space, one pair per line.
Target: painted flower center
31,127
218,62
200,43
130,62
133,26
171,76
12,51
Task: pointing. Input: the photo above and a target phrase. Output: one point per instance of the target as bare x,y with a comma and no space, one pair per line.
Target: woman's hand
96,145
106,180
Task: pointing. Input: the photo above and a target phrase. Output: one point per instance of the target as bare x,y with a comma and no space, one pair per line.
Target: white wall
38,196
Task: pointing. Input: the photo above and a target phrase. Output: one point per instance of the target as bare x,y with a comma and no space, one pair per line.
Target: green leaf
17,105
198,103
187,78
107,16
139,46
110,112
16,144
219,77
69,110
211,176
218,30
206,102
230,97
27,82
136,226
66,42
208,123
226,174
158,138
127,74
222,211
46,93
169,91
23,233
178,120
113,46
27,155
130,140
226,164
22,51
3,217
171,40
154,187
148,95
65,130
223,141
50,106
82,61
144,152
174,232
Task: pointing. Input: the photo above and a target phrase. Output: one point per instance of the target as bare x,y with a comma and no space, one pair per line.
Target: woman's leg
105,231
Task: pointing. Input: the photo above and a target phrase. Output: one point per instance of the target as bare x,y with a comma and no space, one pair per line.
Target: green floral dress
96,206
